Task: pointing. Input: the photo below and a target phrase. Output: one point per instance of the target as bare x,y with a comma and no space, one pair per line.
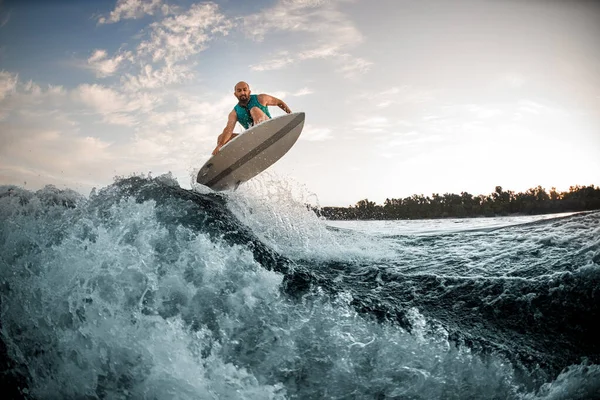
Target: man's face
242,92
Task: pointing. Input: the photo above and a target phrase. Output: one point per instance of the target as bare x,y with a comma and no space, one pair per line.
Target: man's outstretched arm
227,132
267,100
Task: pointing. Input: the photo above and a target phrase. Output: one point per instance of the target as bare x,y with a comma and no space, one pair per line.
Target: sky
401,97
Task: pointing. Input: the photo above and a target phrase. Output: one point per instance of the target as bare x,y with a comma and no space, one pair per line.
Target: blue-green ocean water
145,290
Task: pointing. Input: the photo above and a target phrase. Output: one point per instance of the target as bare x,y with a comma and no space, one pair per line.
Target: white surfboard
251,152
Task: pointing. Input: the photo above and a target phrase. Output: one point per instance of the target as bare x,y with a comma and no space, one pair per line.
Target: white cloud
374,124
168,118
104,66
399,95
50,91
305,3
165,54
152,78
279,95
352,66
42,143
33,88
97,56
115,107
172,132
313,134
100,98
303,92
16,97
8,83
325,51
320,17
330,33
133,9
274,63
176,38
199,107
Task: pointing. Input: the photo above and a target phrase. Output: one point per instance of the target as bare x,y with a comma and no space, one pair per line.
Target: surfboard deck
251,152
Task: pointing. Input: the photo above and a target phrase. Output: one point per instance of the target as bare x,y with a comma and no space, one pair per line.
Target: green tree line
449,205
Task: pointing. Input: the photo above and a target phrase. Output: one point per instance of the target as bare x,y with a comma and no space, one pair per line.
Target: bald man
250,110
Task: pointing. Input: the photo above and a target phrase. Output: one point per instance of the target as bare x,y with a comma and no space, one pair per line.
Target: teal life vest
243,112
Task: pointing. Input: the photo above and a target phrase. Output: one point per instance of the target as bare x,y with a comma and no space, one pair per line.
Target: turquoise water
147,290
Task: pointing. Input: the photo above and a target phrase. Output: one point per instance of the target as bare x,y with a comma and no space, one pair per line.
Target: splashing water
148,290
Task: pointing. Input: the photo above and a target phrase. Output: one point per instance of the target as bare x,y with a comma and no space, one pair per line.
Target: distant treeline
450,205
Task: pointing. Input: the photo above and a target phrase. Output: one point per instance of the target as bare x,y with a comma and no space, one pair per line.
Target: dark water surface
146,290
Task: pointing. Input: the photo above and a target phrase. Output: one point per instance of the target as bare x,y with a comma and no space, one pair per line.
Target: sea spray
282,213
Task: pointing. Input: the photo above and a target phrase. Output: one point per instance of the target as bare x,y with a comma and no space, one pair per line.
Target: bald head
242,92
241,84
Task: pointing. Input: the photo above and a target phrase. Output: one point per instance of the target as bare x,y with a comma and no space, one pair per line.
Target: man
250,110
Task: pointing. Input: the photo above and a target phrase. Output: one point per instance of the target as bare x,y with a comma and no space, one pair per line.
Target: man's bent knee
258,115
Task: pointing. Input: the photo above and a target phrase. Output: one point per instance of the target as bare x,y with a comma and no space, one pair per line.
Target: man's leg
258,115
